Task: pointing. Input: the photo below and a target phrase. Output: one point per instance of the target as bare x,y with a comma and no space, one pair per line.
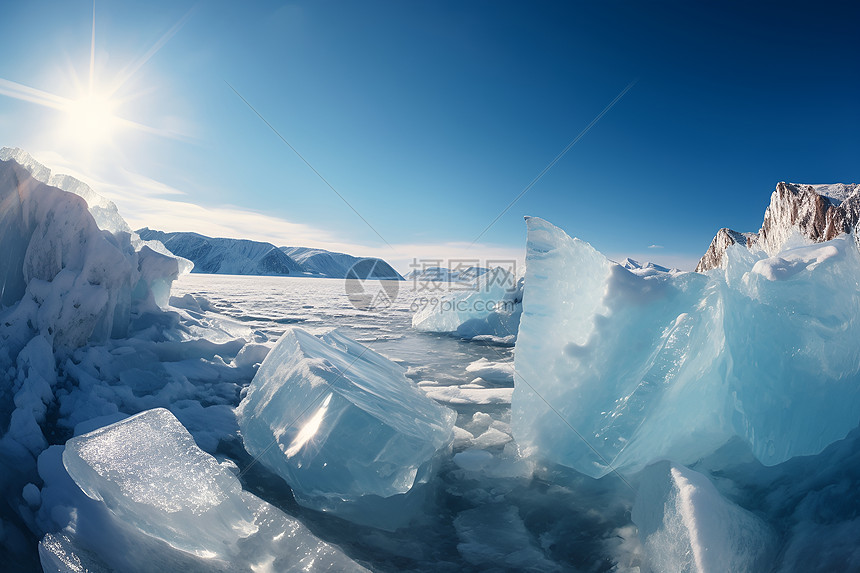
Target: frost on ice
674,365
686,526
148,485
490,308
353,435
148,471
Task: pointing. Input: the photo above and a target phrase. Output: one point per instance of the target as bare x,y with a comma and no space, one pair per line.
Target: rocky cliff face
817,212
722,240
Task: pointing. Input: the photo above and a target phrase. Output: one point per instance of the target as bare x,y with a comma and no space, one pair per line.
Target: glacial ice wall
675,365
344,427
104,211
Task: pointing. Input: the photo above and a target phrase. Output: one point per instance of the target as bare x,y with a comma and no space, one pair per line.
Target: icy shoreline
123,448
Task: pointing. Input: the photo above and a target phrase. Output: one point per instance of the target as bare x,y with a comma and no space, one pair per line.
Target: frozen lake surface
489,508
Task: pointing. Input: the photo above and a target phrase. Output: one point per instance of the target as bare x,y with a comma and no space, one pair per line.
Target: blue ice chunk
344,427
148,471
675,364
158,502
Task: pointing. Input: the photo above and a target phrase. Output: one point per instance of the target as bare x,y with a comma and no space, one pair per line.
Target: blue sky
429,118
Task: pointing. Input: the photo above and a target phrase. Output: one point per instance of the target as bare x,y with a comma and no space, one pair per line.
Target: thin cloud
146,202
655,246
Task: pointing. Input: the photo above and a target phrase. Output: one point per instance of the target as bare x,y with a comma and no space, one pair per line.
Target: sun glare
90,120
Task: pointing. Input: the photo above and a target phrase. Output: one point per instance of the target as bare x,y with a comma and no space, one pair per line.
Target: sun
90,120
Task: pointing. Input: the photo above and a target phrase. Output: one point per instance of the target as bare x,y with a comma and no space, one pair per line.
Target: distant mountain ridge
225,256
215,255
339,265
646,269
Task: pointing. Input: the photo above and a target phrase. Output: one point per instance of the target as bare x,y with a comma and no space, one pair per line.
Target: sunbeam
92,116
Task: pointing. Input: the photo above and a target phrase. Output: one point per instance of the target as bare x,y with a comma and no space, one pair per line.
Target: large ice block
148,471
686,526
156,502
675,365
343,426
490,307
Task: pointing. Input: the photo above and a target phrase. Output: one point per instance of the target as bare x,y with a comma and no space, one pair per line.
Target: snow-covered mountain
645,269
633,264
226,256
337,265
817,212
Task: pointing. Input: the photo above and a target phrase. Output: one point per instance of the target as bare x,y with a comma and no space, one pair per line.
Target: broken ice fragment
490,309
353,434
156,502
148,471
